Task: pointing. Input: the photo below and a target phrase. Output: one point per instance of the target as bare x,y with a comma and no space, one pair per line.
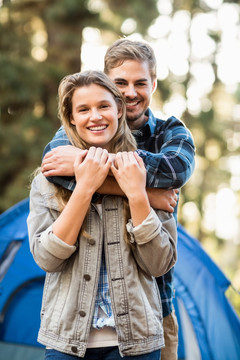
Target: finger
48,155
176,194
119,160
114,170
98,154
50,173
47,167
79,158
176,191
91,152
139,160
126,159
171,209
105,157
101,155
47,159
132,157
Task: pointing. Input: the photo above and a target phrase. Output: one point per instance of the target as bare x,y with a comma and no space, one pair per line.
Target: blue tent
209,328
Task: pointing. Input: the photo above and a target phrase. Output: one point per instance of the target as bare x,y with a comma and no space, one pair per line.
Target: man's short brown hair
124,49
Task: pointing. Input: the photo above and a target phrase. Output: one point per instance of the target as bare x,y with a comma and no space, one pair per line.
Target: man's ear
154,85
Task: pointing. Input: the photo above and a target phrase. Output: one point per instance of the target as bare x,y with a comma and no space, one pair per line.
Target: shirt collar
150,125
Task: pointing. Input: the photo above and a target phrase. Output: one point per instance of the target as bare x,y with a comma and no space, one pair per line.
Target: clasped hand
92,167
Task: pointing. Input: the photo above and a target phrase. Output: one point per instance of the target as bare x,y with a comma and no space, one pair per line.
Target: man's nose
130,91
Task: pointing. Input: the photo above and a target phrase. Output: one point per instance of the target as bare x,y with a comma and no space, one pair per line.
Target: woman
101,254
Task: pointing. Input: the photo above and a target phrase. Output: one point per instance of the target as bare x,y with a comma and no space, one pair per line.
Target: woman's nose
95,115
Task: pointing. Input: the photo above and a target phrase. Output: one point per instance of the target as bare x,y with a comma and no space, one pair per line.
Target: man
166,147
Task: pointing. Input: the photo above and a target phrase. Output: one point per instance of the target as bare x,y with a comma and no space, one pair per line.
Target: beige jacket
73,271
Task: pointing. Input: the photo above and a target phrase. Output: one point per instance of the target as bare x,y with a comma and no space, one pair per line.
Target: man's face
134,81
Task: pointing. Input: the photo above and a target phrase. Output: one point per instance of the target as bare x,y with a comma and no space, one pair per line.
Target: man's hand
60,161
163,199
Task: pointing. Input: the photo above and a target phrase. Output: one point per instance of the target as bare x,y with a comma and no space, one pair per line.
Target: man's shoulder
168,123
170,119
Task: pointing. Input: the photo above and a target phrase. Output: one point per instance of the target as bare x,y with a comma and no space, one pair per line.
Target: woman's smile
95,114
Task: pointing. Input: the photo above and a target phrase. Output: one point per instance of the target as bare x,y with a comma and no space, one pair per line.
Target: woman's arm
90,172
154,237
53,238
130,173
155,242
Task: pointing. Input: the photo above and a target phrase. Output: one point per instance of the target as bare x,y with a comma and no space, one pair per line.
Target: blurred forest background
197,45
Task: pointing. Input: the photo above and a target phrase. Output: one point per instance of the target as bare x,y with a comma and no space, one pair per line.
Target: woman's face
95,114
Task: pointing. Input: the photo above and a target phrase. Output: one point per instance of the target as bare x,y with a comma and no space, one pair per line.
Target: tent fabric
21,286
209,328
201,285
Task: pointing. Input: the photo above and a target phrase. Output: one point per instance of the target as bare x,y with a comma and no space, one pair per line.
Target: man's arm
59,158
162,199
168,154
169,159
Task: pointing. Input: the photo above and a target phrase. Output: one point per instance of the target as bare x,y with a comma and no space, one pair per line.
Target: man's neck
136,125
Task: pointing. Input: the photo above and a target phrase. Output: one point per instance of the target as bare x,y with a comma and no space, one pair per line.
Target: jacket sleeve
49,251
155,242
171,162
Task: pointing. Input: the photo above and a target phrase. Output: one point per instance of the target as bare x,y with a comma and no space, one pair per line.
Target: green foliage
40,42
143,12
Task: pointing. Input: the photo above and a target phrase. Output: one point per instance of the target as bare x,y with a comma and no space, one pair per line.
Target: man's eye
120,83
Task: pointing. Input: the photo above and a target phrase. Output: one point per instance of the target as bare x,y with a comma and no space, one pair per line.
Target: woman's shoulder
46,190
42,183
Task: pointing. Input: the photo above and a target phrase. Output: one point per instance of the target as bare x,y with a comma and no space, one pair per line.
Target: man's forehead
131,70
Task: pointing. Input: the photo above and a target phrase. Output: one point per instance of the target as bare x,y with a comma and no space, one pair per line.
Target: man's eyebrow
119,79
138,80
141,80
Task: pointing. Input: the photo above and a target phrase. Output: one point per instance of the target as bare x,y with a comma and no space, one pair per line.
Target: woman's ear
72,121
119,112
119,107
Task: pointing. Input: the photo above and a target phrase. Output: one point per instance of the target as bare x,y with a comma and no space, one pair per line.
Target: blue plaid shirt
168,151
103,300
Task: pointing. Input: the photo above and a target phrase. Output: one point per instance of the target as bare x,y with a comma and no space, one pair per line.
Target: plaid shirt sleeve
60,139
170,157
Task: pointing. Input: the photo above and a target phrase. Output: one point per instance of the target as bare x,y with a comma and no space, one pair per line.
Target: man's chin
132,117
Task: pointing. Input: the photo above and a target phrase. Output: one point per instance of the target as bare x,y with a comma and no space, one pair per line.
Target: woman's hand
130,173
91,168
